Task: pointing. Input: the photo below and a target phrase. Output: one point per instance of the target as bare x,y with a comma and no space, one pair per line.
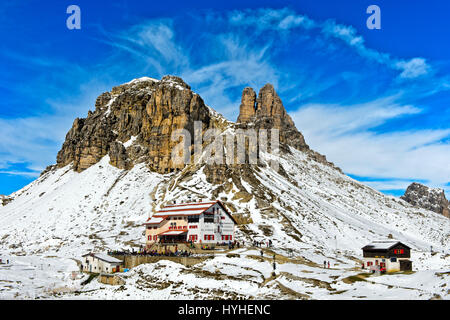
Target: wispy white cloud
263,19
413,68
347,135
28,174
228,58
287,19
33,141
235,63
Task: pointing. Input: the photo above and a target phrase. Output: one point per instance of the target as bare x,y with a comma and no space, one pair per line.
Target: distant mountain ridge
428,198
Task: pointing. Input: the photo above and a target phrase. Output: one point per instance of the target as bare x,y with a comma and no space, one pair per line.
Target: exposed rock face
248,105
134,123
428,198
4,200
145,110
267,112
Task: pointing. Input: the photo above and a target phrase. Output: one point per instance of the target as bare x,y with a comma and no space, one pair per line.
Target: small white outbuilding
100,262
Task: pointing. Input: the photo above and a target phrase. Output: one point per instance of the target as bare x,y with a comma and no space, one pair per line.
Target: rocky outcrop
145,110
134,123
4,200
247,108
427,198
267,112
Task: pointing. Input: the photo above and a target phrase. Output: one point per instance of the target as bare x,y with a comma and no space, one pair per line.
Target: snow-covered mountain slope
309,209
311,206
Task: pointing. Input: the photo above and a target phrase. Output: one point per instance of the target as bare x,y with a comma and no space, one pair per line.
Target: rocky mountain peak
269,104
247,108
175,80
428,198
134,122
267,112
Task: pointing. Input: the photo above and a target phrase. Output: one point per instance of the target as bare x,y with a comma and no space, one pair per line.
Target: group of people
169,253
126,253
229,244
166,252
260,244
325,264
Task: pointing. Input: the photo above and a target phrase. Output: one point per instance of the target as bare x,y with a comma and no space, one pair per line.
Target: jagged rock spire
248,105
267,112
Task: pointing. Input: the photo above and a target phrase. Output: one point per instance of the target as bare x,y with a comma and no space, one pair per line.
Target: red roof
184,209
187,209
172,232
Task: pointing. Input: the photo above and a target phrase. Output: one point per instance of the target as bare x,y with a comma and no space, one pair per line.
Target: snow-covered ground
32,277
311,213
244,276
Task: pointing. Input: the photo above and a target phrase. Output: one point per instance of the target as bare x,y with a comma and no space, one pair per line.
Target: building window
193,219
393,259
208,218
399,251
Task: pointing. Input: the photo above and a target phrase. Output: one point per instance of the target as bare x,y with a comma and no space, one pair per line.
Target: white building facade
200,222
100,262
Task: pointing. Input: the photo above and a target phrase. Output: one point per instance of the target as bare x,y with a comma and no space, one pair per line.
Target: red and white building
200,222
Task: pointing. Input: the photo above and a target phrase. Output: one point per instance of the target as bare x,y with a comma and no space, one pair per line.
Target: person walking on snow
328,264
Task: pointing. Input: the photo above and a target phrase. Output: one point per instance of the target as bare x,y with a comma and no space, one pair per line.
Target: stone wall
110,279
131,261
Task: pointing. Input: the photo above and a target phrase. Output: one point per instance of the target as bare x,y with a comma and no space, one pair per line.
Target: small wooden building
100,262
387,256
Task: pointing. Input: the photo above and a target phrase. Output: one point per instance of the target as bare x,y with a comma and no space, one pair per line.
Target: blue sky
375,102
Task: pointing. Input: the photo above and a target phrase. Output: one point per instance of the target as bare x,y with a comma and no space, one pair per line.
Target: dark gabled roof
383,245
